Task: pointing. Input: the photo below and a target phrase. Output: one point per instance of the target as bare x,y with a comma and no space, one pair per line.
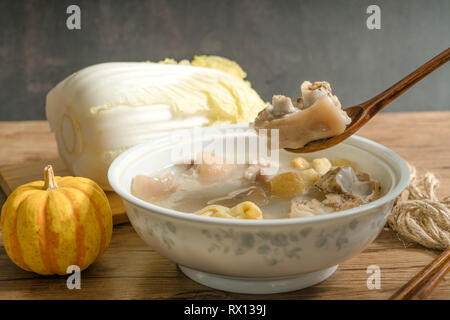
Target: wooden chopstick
421,285
427,287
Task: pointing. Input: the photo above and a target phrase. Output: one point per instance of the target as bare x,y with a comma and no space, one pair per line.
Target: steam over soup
300,187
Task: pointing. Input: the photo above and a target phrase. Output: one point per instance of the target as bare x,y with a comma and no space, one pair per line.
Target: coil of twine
419,215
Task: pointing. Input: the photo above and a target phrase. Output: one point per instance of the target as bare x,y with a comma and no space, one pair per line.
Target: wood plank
421,138
130,269
14,175
26,141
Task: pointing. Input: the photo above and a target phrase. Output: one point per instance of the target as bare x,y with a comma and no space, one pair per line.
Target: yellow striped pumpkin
52,224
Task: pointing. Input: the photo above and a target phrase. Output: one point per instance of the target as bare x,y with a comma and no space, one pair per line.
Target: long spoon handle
381,100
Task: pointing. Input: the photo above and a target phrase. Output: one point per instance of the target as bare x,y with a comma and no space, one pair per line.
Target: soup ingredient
342,201
308,208
154,188
311,92
255,194
213,168
52,224
298,187
316,115
259,172
344,180
343,189
102,110
281,106
290,184
321,165
341,162
244,210
300,163
216,211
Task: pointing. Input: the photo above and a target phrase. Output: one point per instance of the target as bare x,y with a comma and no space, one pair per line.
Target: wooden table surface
130,269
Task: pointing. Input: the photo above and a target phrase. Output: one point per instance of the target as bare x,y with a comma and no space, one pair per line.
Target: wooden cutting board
12,176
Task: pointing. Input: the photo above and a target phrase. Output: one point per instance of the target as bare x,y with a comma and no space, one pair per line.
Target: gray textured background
278,43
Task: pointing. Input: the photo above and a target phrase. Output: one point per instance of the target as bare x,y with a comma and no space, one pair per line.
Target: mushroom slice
344,180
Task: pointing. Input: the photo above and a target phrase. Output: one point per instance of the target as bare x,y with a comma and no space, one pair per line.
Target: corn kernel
321,165
300,163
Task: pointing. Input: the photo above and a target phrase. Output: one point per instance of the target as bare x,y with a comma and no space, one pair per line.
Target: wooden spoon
363,112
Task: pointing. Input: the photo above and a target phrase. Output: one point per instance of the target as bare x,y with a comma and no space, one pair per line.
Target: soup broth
299,187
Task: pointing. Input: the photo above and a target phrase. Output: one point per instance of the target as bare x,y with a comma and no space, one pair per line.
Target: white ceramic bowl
258,256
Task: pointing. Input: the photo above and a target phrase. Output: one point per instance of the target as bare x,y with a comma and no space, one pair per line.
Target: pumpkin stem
49,176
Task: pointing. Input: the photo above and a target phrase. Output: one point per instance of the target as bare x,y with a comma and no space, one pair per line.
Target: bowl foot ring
258,285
